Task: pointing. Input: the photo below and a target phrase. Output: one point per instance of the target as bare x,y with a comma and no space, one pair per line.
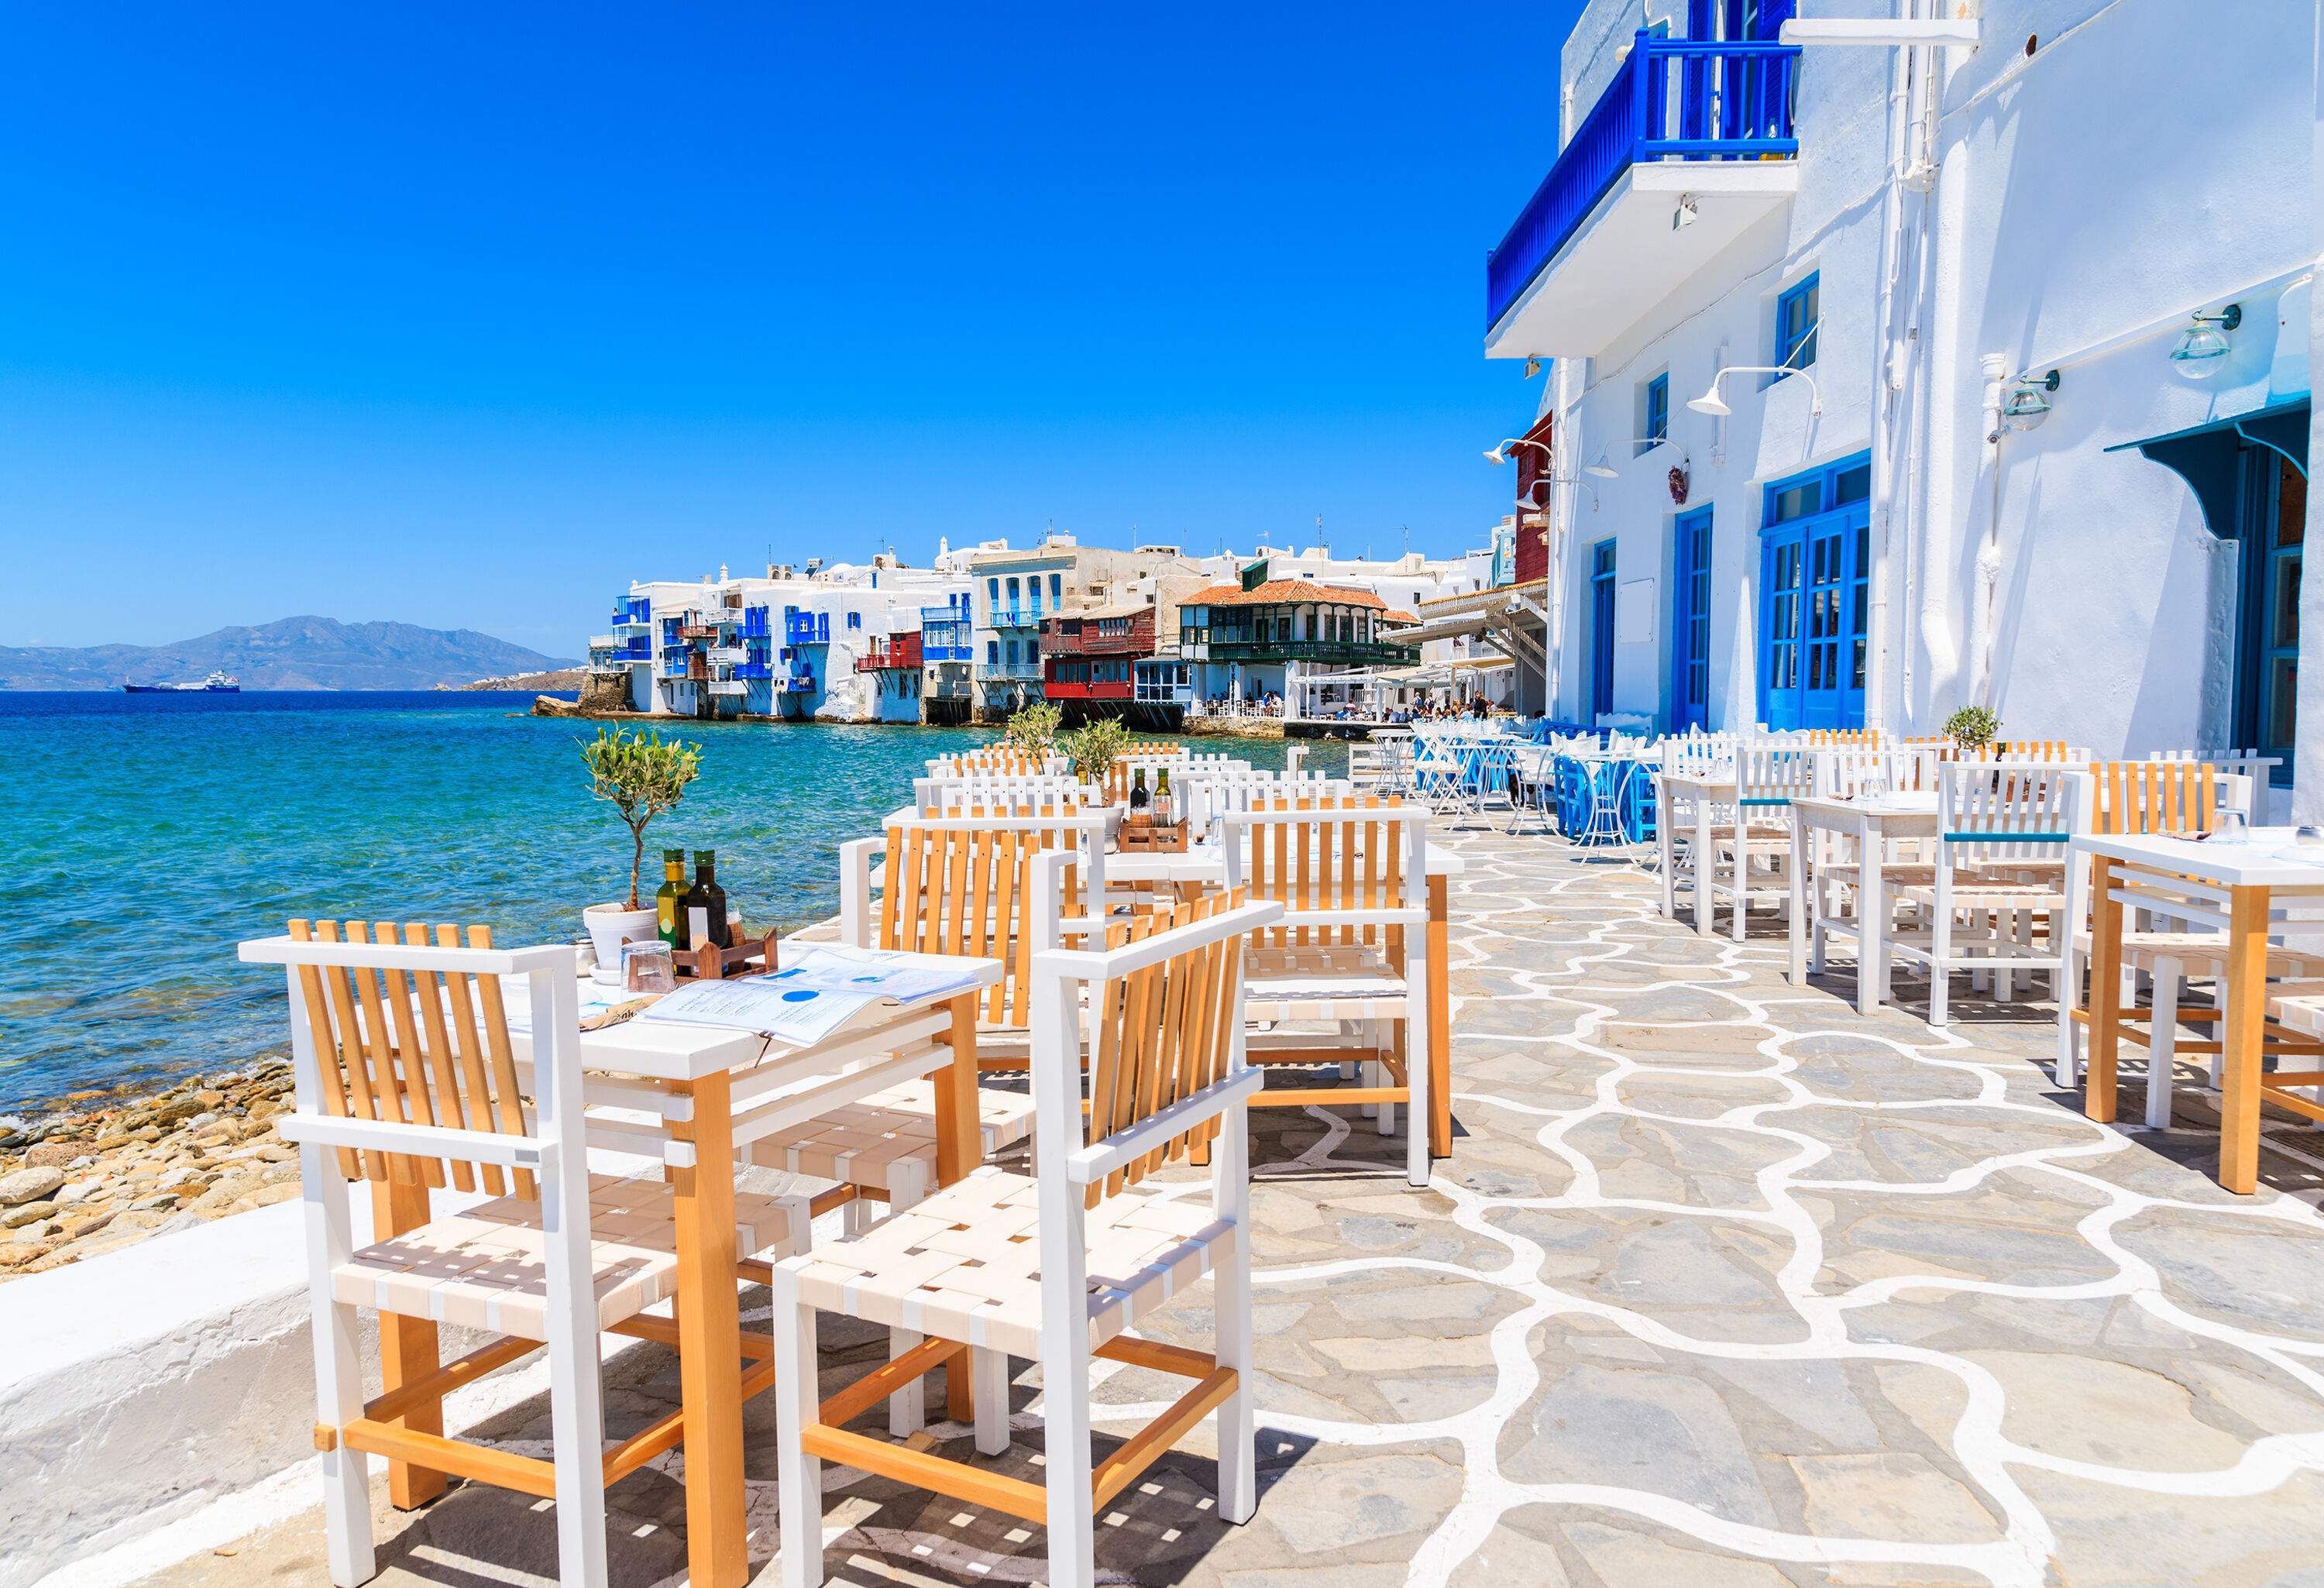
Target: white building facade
1945,262
784,646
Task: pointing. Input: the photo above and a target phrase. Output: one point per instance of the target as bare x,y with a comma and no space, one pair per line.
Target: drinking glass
2231,829
648,967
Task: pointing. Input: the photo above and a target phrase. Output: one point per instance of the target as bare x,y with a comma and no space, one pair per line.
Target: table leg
1665,847
408,1347
1440,1020
1871,918
710,1341
960,1149
2106,993
1799,900
1706,867
2245,985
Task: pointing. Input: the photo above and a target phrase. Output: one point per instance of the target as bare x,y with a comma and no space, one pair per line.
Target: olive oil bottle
669,899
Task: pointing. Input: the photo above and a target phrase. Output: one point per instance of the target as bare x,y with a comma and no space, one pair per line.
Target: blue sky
466,316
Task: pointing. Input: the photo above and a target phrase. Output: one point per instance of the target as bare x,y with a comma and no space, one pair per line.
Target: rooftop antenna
1407,539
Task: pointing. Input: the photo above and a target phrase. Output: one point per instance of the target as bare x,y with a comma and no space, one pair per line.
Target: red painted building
1531,556
1088,656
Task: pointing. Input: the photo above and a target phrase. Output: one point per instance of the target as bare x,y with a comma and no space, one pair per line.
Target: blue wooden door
1815,585
1602,628
1690,622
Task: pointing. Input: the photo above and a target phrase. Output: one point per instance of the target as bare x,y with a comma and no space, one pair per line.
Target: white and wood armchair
1057,1266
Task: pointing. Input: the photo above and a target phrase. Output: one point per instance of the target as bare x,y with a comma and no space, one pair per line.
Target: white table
2234,886
1872,824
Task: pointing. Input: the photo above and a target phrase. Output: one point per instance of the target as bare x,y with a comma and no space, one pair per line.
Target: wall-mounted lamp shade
1495,454
1710,402
2025,408
2202,348
1602,468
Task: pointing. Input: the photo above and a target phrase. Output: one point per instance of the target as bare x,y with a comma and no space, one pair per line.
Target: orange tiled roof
1398,617
1277,591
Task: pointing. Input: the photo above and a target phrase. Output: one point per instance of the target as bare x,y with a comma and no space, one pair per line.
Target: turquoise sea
151,833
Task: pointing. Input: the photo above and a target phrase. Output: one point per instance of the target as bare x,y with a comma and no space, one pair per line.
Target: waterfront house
1252,641
1898,364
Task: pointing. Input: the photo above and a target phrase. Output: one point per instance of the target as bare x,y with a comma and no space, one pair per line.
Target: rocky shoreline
107,1171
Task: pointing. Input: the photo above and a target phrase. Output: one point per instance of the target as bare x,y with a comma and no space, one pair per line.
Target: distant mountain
294,653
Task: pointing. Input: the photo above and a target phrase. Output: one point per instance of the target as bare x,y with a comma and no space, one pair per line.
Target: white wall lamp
1526,503
1713,405
2203,347
1500,454
1604,468
2028,403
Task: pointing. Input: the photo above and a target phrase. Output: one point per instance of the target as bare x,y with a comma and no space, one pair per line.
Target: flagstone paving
1722,1284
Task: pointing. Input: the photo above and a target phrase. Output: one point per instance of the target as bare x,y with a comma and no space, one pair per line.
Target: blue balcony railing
807,628
754,624
1674,99
753,669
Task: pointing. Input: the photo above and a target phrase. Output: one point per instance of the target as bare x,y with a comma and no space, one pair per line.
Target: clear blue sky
467,315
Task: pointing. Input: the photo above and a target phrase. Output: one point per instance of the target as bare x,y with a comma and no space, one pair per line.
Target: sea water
146,835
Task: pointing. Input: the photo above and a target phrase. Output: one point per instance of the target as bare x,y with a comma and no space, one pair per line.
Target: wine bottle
1162,796
708,897
1138,794
670,918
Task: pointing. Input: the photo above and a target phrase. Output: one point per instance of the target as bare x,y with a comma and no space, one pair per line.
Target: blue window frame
993,651
1056,589
1691,621
1602,628
854,620
2273,507
1796,313
1815,573
1010,651
1657,409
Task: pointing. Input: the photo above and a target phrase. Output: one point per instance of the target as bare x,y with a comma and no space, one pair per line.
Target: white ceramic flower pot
612,925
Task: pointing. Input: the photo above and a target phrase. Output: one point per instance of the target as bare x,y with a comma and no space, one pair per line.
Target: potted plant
1094,747
1973,728
1033,732
641,775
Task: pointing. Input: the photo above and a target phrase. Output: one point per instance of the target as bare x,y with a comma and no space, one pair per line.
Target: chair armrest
1096,1161
855,890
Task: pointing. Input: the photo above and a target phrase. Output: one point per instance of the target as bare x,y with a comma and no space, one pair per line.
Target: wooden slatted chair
1056,1265
2180,799
1751,849
1844,738
406,1077
1351,951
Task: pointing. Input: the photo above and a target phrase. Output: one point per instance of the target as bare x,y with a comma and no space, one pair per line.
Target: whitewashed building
793,645
1903,356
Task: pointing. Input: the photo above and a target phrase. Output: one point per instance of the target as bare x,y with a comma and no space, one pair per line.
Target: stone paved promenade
1723,1285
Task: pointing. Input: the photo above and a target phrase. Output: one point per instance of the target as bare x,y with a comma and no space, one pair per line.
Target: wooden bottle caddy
1142,835
750,956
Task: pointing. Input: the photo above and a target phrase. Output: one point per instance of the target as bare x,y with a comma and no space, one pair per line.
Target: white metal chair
406,1077
1056,1267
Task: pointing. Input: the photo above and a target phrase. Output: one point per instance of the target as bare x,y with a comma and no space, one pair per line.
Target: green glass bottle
708,897
669,920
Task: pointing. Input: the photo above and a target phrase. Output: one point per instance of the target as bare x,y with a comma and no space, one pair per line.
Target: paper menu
814,996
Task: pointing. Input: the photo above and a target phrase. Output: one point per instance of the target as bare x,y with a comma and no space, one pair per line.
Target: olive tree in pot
1093,746
1033,731
1973,728
641,775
